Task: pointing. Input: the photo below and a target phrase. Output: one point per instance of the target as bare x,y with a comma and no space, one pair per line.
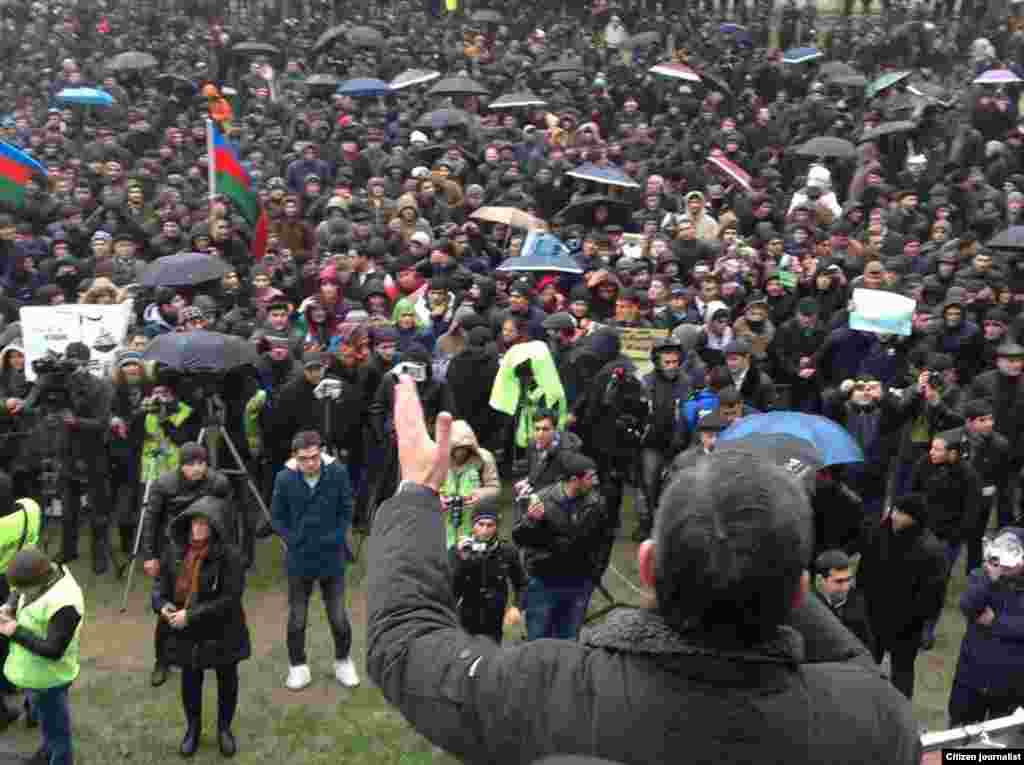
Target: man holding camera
69,397
565,538
169,496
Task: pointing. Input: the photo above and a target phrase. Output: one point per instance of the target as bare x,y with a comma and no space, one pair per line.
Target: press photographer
74,405
483,567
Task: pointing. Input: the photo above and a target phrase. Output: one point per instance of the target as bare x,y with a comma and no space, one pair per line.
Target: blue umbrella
364,88
86,97
801,55
10,151
608,175
834,443
543,252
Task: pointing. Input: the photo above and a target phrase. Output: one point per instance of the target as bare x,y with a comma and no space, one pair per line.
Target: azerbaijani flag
228,177
16,167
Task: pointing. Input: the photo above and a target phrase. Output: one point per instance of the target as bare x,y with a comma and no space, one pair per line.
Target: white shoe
298,677
345,672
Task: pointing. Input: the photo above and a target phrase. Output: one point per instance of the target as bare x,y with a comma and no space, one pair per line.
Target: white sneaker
298,677
345,672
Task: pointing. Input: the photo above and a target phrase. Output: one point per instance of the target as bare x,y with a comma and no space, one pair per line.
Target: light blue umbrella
609,175
833,442
86,97
364,88
801,55
543,252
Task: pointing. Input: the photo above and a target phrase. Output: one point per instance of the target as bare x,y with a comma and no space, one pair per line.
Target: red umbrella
731,169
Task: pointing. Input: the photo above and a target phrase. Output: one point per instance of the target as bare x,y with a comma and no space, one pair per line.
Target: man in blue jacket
312,512
989,680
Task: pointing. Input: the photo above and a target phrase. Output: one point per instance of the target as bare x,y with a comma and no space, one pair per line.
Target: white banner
51,328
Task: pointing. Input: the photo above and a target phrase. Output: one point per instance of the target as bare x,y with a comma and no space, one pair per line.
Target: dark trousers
54,714
556,606
970,705
652,467
484,618
227,693
902,653
99,507
332,592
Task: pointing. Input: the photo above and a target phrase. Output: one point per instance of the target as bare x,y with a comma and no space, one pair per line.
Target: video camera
469,546
456,506
54,364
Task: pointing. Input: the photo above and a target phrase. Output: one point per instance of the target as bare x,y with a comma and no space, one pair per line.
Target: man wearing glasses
312,511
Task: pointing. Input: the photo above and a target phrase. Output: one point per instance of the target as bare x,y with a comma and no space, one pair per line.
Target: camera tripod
211,435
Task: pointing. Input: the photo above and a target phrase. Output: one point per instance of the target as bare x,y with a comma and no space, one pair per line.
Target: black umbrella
827,146
252,48
458,86
131,61
1010,239
564,65
365,37
583,210
441,119
329,37
888,128
487,17
185,269
833,69
201,351
849,80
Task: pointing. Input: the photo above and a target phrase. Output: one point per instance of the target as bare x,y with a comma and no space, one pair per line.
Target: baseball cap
312,359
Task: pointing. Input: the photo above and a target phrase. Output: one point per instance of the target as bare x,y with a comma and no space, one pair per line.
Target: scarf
187,583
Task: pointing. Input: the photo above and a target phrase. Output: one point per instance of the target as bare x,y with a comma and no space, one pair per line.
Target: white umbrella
519,100
676,72
411,77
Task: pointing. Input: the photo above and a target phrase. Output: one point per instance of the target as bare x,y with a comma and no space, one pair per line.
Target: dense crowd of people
731,194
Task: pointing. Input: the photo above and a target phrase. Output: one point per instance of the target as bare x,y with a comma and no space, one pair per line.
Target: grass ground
118,717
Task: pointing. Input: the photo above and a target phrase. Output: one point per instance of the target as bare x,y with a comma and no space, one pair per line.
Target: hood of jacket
463,436
211,508
7,350
407,200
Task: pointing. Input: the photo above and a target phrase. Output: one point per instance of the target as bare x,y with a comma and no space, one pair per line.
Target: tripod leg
135,550
248,478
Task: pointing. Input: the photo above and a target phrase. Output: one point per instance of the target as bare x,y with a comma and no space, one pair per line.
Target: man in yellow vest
43,620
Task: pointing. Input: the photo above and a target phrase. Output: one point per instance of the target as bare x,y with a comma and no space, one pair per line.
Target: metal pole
135,550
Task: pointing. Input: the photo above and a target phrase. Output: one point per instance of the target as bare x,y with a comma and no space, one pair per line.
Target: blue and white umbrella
364,88
607,175
833,442
801,55
543,252
86,97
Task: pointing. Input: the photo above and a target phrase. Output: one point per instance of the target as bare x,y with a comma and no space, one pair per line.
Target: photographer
707,664
564,536
472,485
68,396
169,423
483,566
169,496
127,432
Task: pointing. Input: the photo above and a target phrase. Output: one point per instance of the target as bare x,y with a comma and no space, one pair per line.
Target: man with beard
667,389
988,453
169,496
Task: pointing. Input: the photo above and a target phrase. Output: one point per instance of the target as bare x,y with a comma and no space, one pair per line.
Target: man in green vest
43,619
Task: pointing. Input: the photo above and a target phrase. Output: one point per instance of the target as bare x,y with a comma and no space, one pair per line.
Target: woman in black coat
203,626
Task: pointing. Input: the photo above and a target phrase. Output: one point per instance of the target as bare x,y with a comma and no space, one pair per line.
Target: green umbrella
885,81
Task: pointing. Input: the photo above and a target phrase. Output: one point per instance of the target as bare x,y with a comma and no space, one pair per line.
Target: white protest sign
46,329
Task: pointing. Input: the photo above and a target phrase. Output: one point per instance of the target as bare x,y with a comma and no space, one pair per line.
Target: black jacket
1007,397
216,633
169,496
953,496
902,577
480,581
790,343
545,468
632,690
853,614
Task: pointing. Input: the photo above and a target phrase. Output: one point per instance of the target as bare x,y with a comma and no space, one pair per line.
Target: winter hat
558,322
192,453
485,514
79,351
574,464
478,337
807,307
978,407
30,568
313,359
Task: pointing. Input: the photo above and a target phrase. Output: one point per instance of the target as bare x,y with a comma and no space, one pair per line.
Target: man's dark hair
306,439
733,535
831,560
545,413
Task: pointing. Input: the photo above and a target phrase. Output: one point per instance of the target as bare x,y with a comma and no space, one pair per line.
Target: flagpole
211,169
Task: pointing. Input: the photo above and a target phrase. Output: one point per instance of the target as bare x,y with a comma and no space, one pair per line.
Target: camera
328,388
54,364
936,380
470,546
524,497
456,506
418,372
